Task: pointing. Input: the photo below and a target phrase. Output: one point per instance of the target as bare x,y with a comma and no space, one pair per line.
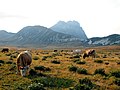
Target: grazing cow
77,51
24,59
88,53
5,50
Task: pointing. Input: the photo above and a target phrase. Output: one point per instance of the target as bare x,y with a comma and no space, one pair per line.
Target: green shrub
98,61
75,60
8,54
84,84
54,82
118,62
76,56
42,68
1,61
55,61
32,72
115,73
117,81
44,57
36,86
100,71
9,62
80,62
72,68
81,71
104,56
82,87
106,62
39,68
35,57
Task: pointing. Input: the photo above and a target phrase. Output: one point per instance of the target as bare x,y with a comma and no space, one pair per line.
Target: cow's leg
18,69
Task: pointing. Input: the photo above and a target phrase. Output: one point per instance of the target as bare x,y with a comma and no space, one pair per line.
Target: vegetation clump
35,57
100,71
72,68
115,73
117,81
84,84
54,82
82,71
36,86
55,61
98,61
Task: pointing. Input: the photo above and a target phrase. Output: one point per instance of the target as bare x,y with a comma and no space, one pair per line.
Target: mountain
71,28
40,36
113,39
5,35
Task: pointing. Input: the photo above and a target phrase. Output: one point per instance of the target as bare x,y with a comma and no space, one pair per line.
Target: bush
118,62
75,60
81,71
54,82
1,61
32,72
55,62
44,57
115,73
36,86
82,87
8,54
117,82
39,68
42,68
100,71
104,56
9,62
98,61
106,62
72,68
76,56
84,84
80,62
35,57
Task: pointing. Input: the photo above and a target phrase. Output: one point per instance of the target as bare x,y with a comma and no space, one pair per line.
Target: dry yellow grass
9,78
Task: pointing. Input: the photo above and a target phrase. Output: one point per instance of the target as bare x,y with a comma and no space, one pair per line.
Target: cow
5,50
24,59
90,52
77,51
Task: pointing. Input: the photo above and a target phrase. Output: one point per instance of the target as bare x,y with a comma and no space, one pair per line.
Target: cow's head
23,70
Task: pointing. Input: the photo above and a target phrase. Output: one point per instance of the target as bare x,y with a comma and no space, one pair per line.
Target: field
62,70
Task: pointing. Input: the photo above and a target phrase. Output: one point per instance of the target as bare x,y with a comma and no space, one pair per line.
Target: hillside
5,35
113,39
40,36
71,28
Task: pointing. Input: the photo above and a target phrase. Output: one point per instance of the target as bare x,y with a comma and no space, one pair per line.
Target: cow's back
24,59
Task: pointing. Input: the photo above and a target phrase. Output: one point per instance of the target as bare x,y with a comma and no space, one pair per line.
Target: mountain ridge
71,28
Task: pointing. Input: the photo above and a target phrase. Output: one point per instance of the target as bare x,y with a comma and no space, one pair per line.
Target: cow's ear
21,67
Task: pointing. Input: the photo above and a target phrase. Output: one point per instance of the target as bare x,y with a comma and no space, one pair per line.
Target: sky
98,18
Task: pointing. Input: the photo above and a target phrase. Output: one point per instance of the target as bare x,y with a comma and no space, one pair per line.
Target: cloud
5,15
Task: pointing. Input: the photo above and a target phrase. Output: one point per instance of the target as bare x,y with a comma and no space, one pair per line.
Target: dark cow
5,50
88,53
24,59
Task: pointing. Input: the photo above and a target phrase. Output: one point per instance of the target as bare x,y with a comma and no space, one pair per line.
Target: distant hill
71,28
113,39
5,35
40,36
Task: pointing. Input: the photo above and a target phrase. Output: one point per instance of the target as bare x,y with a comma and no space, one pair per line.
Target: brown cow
88,53
5,50
24,59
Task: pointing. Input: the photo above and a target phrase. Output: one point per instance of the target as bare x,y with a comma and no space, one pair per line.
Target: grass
60,71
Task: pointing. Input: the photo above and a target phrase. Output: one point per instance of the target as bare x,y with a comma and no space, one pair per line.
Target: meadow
62,70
